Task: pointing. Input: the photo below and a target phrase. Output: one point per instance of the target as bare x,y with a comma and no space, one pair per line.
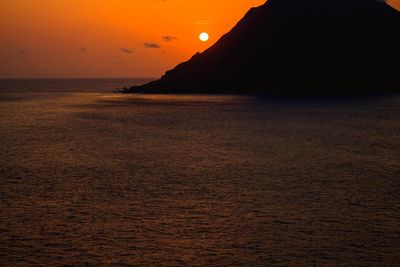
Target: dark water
89,178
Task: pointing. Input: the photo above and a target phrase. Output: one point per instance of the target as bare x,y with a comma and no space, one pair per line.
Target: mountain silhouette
297,47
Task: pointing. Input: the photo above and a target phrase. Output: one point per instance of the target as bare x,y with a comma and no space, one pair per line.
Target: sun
204,37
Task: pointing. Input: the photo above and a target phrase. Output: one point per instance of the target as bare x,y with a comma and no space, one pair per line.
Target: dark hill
297,47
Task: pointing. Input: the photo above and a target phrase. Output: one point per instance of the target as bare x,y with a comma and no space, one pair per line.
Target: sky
109,38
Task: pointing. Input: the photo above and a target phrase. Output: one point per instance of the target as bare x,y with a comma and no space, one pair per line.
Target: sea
89,177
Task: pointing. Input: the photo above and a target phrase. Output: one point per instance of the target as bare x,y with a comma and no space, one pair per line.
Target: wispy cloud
126,50
169,38
151,45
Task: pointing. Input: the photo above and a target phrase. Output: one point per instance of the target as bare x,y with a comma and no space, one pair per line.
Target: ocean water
92,178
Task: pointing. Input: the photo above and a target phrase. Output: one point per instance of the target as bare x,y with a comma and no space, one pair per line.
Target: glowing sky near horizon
109,38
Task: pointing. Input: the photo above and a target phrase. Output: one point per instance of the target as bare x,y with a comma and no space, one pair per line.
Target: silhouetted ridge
294,46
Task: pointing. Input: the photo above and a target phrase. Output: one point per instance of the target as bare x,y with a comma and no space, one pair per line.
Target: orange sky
106,38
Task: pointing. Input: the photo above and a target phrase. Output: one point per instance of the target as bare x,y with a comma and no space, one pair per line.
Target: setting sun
204,37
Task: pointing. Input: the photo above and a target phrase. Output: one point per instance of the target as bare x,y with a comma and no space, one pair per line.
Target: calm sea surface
91,178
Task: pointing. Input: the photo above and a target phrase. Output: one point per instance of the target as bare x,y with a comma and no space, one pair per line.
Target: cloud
169,38
22,52
151,45
83,49
126,50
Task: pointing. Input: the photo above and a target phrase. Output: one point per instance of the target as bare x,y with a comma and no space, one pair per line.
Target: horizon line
72,78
